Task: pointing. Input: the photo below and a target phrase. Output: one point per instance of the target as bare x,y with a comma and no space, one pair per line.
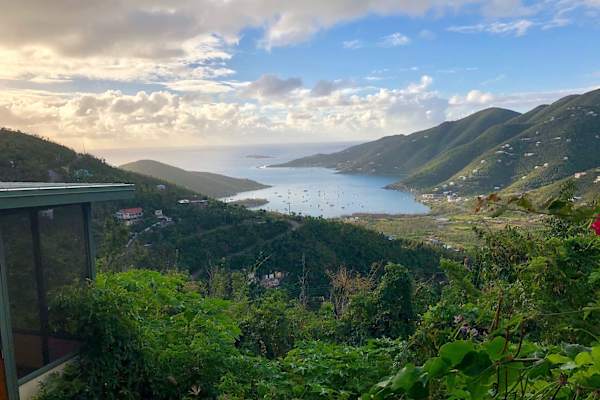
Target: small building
272,280
45,245
130,216
161,187
158,213
202,203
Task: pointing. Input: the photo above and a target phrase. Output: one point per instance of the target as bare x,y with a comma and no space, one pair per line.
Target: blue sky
144,73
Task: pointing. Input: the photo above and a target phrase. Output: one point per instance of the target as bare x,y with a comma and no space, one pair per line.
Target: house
158,213
130,216
36,262
272,280
199,203
161,187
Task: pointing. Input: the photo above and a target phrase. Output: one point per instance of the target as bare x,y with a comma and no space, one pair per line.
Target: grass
453,225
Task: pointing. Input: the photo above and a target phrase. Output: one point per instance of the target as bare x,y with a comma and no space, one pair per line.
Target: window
45,251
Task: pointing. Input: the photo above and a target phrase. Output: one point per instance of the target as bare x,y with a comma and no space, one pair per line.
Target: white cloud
353,44
516,28
474,97
394,40
160,118
272,87
424,83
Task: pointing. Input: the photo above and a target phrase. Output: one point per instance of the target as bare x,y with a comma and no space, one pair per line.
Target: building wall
28,390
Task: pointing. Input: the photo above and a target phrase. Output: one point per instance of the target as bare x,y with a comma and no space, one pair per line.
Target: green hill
491,150
400,155
557,141
213,185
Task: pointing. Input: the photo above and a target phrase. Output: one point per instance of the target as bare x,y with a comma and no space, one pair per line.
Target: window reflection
45,251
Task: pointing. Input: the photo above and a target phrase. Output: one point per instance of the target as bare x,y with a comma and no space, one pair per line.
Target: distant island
249,203
258,156
207,183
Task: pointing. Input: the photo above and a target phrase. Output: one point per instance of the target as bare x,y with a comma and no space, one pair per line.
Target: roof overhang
35,194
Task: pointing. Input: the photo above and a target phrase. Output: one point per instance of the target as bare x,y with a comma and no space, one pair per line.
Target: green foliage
318,370
497,369
146,335
512,307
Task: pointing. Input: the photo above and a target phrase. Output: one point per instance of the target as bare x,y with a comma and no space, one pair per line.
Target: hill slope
400,155
491,150
213,185
557,141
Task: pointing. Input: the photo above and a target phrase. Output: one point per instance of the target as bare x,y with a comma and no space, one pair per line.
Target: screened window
45,251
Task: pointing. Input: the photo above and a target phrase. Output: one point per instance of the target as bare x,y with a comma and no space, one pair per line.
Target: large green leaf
456,351
495,348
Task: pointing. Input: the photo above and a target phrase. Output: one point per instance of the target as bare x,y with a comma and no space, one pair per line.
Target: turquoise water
306,191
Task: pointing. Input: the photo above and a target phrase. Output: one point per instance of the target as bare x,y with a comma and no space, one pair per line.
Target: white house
130,216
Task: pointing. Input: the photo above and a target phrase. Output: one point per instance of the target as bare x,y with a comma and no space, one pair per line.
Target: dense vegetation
491,150
182,311
516,319
212,185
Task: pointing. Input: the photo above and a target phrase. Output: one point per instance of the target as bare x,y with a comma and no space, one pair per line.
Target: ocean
306,191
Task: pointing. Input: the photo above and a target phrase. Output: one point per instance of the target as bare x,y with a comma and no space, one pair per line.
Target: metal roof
39,194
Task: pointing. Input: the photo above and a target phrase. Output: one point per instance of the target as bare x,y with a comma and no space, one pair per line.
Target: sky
152,73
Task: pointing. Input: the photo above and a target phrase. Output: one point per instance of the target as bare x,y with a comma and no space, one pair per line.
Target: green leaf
405,378
539,369
558,359
474,363
436,367
584,358
495,348
456,351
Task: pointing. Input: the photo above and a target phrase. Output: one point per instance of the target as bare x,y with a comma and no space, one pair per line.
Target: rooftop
39,194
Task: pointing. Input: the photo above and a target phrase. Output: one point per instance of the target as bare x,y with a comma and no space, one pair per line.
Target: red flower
596,225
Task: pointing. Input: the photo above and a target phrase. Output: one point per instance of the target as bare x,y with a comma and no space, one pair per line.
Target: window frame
6,328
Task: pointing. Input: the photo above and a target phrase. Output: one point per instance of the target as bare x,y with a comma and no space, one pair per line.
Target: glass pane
22,291
64,262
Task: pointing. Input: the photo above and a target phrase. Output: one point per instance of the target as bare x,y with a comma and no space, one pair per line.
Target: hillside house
272,280
130,216
45,246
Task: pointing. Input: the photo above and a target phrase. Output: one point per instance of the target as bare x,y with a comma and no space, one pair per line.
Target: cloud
427,34
474,97
495,79
325,88
394,40
272,87
153,29
423,84
515,28
353,44
162,118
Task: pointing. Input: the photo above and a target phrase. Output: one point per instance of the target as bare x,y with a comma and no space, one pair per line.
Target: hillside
557,142
491,150
400,155
212,185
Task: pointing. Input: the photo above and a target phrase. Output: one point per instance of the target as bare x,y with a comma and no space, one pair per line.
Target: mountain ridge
487,151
